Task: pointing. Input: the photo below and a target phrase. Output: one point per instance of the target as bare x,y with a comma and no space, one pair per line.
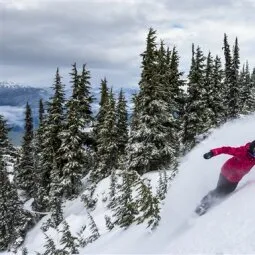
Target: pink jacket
239,165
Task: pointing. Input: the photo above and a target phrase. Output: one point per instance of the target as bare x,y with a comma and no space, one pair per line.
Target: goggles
252,153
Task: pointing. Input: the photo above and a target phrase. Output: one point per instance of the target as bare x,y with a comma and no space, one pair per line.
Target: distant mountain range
14,96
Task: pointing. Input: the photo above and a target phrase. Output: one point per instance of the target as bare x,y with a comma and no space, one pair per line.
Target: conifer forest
73,150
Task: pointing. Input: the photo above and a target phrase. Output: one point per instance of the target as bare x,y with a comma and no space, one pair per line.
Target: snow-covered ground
228,228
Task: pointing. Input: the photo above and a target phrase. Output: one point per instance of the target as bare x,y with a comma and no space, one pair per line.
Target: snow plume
228,228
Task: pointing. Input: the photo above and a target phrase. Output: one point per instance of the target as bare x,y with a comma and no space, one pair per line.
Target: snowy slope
228,228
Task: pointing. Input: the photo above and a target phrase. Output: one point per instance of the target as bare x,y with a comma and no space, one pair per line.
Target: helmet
252,149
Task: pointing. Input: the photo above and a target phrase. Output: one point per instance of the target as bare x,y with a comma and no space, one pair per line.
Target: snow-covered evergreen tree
87,196
121,126
217,101
24,171
104,95
175,97
50,247
232,88
4,141
228,74
209,95
196,116
81,239
107,148
93,229
148,204
113,188
234,92
246,99
7,150
14,220
40,197
149,146
250,102
53,126
85,98
125,209
176,84
55,197
72,150
162,184
108,222
69,242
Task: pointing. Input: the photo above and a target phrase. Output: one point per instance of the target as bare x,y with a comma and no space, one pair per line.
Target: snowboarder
232,172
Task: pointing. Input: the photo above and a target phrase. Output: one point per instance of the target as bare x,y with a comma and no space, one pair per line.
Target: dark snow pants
223,188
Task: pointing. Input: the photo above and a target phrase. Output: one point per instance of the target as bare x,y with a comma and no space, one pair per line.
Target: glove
208,155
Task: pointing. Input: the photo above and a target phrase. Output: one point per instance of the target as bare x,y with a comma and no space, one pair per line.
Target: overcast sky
37,36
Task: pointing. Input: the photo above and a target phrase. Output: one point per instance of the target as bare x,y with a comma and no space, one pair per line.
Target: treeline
170,116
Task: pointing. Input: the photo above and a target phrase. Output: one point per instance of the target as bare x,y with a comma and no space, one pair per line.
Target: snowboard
210,201
207,204
202,209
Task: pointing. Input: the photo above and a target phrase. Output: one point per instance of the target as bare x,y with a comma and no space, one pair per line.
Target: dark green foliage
93,226
68,240
94,231
150,144
196,117
228,63
208,85
52,127
55,197
7,151
175,84
162,185
104,93
24,171
148,205
246,100
126,209
4,142
176,101
232,88
87,196
217,100
84,96
41,111
228,74
51,247
113,188
250,103
72,150
234,91
107,148
40,197
99,128
81,239
103,100
14,221
121,126
108,222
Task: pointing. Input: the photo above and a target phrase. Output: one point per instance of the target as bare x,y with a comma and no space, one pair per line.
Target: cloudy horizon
109,35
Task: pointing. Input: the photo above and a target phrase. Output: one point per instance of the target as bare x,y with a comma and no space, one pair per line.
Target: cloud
109,35
15,114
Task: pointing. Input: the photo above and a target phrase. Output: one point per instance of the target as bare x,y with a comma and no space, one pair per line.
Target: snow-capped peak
11,84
